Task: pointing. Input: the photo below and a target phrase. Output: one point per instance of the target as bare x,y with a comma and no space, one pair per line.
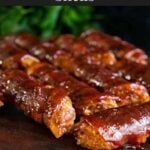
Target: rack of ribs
86,99
112,110
98,76
121,48
94,47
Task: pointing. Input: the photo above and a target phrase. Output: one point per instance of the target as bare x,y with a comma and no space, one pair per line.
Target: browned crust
115,127
44,104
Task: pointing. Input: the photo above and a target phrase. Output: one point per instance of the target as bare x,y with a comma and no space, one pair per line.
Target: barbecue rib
22,40
89,41
122,49
140,73
86,99
114,128
82,50
42,103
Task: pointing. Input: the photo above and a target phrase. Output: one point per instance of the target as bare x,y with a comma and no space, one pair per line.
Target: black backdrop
130,23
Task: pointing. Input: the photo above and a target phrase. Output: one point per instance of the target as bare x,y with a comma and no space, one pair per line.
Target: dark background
130,23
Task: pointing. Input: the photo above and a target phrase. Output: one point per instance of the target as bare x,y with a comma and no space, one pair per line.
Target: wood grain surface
17,132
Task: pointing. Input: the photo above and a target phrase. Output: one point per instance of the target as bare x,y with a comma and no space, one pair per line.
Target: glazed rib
87,52
86,99
44,104
76,46
22,40
82,50
140,73
109,129
122,49
114,128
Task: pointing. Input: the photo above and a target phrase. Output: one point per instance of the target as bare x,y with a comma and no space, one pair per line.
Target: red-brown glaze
65,61
11,55
64,41
121,48
82,50
13,61
89,41
77,47
85,58
18,84
98,58
22,40
35,99
128,124
6,50
86,99
140,73
98,76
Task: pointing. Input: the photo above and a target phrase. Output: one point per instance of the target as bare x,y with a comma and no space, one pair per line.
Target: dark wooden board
18,132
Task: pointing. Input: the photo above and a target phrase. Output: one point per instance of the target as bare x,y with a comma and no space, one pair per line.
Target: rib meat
121,48
97,76
140,73
114,128
44,104
86,99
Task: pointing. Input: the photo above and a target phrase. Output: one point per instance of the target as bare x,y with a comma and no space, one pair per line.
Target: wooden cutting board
18,132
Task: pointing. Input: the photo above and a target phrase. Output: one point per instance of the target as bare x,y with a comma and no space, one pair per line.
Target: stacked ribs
95,86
